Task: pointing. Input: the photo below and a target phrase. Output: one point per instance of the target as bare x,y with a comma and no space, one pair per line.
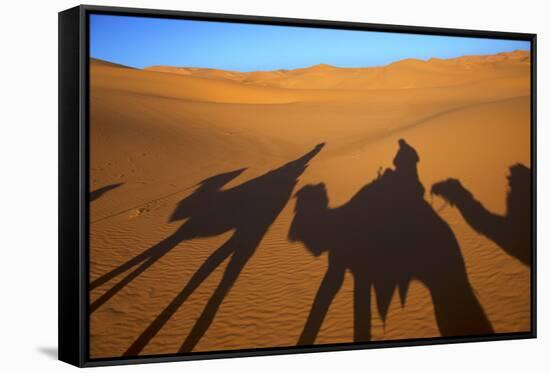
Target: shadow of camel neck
511,231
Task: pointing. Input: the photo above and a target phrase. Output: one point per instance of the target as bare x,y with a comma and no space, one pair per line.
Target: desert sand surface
191,187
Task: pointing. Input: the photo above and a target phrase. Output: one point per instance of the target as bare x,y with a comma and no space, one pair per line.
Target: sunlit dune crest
452,71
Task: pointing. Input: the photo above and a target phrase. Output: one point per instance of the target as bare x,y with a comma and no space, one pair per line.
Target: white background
28,185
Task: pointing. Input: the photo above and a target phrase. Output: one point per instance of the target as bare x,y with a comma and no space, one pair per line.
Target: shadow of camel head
519,177
512,230
450,190
206,188
311,204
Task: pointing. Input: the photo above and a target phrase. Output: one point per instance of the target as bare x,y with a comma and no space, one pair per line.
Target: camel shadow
249,209
200,205
386,236
511,231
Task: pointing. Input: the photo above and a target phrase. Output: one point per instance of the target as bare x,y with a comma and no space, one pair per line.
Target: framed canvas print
237,185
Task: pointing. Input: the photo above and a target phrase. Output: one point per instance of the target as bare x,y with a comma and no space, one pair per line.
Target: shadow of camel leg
160,250
121,284
198,277
325,295
122,268
457,309
361,309
154,251
230,275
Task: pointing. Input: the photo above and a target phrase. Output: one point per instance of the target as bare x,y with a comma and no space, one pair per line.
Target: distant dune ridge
164,136
453,71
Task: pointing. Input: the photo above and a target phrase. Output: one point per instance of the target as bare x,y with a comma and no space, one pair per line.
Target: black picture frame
74,184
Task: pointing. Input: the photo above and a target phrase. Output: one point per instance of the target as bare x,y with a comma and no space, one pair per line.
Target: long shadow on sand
511,231
249,209
386,235
101,191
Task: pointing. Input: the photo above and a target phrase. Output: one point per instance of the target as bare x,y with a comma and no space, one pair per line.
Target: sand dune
409,73
157,133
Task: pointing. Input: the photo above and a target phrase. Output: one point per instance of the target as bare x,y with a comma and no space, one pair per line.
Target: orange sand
156,133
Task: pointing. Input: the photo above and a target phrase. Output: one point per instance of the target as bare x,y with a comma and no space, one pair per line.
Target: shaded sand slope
155,136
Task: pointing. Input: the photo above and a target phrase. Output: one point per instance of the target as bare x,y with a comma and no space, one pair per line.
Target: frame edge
69,207
73,187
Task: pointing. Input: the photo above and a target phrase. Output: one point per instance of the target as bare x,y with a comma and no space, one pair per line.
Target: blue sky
141,42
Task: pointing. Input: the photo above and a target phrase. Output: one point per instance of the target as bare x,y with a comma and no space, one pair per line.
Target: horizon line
313,65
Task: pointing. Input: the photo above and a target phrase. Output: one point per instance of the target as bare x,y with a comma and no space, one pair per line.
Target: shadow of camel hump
249,209
512,231
386,235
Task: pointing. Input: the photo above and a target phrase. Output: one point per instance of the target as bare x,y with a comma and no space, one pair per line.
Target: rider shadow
386,236
249,209
511,231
